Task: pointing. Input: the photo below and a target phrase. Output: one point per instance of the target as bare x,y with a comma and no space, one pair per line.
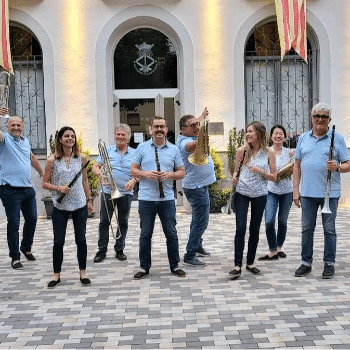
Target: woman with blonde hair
258,166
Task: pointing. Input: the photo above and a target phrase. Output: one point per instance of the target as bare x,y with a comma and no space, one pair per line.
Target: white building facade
91,64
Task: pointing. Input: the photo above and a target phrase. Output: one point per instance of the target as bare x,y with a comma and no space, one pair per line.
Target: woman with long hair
280,197
259,166
60,170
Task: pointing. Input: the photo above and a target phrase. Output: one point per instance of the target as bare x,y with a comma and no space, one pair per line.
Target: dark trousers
241,209
16,200
166,211
59,222
123,205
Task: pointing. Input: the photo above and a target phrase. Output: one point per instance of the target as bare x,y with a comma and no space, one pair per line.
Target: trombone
108,180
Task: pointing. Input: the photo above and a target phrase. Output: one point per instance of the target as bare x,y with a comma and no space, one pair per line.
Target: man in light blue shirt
195,186
16,191
310,175
120,157
157,164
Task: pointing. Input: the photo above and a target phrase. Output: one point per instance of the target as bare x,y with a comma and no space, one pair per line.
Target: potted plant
235,140
218,197
93,180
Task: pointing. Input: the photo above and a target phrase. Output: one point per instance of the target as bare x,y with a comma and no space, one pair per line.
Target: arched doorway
27,85
279,92
145,80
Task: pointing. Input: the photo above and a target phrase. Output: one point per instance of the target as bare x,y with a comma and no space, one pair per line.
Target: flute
161,190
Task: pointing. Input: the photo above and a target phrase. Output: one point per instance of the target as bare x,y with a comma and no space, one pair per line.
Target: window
279,92
145,59
27,86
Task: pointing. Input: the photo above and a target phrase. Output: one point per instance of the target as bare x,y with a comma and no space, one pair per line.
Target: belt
12,187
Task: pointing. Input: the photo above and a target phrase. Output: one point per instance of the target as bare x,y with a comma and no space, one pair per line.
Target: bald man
16,191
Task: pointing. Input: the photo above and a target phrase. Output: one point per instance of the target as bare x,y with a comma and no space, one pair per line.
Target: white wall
78,38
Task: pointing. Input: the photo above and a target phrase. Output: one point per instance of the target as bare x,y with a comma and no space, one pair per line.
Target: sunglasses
323,117
194,125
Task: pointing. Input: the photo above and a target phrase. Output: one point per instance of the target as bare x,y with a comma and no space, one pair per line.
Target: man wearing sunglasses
310,172
195,186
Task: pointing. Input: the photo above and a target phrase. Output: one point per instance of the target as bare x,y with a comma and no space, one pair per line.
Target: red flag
5,51
291,20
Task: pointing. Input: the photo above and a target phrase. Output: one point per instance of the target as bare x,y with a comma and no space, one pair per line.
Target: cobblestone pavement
205,310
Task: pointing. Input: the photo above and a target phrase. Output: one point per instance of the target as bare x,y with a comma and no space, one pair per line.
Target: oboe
161,190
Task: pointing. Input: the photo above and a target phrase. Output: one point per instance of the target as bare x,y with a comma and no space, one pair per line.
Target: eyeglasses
159,126
322,117
194,125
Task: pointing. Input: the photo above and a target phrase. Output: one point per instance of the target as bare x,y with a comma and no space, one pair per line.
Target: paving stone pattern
204,310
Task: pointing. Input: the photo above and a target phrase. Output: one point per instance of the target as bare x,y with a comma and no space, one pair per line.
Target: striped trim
5,51
291,21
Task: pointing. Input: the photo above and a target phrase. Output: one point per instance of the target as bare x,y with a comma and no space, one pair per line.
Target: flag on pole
5,51
291,21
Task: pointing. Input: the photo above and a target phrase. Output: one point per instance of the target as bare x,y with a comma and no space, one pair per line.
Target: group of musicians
320,156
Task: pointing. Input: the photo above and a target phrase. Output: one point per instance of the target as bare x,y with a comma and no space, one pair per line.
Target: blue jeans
16,200
123,205
309,206
200,203
241,209
166,211
59,223
282,202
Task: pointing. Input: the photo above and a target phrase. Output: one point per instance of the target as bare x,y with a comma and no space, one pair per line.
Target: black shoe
140,274
99,256
202,252
235,273
254,270
178,272
328,271
85,281
16,264
120,255
53,283
268,257
282,254
194,262
28,255
302,270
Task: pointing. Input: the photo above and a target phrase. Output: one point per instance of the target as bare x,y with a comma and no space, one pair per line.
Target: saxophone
200,155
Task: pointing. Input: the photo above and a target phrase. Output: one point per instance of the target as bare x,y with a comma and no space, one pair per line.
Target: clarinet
326,209
60,199
161,190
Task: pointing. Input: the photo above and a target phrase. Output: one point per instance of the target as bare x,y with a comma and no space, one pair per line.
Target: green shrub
235,140
218,197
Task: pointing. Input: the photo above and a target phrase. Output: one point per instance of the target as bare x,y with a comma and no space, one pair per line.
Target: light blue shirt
15,164
169,159
121,164
196,176
313,153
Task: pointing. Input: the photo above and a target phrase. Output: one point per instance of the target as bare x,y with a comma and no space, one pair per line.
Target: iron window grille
27,87
279,92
